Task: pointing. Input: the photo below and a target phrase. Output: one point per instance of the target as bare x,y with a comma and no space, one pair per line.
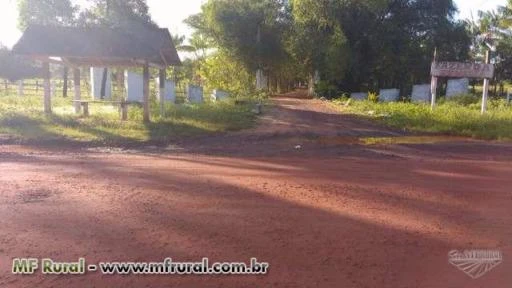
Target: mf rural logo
475,263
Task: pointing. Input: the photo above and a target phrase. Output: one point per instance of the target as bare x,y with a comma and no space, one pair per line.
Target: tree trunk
311,85
120,79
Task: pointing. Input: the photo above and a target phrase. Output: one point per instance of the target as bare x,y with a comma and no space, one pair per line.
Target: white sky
171,13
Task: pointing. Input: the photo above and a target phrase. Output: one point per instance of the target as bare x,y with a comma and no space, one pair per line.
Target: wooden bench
123,105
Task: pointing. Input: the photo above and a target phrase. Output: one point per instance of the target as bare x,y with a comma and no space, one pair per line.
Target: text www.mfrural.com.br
29,266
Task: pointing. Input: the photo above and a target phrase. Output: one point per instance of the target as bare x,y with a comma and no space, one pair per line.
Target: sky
171,13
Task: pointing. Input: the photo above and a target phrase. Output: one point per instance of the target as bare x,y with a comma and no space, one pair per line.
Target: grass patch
457,117
22,118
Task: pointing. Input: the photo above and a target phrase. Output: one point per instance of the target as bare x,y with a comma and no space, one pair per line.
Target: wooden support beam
65,85
47,93
78,91
162,79
145,92
20,88
485,94
85,106
124,110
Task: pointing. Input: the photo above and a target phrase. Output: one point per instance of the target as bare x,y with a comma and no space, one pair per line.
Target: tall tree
250,31
45,12
116,13
381,43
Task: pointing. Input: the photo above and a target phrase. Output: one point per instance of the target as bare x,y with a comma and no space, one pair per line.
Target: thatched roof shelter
97,46
136,46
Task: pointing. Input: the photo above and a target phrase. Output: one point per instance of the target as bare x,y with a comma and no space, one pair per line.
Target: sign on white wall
421,93
195,94
133,83
457,87
96,80
219,95
169,92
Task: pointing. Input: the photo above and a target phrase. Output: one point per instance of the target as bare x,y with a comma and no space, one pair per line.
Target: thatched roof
99,46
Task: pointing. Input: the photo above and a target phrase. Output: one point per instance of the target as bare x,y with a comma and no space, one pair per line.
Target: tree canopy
353,44
45,12
116,13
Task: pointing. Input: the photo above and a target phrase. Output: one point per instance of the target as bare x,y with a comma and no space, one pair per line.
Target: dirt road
298,191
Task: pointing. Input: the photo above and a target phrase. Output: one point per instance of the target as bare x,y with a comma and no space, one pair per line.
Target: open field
306,190
456,118
22,120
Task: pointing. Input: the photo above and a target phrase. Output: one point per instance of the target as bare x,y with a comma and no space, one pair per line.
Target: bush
373,97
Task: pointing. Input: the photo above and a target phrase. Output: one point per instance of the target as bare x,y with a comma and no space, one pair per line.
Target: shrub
373,97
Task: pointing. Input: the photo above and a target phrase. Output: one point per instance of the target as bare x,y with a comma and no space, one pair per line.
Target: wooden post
433,90
47,92
433,84
486,85
86,108
78,92
145,92
103,90
124,110
20,88
162,78
65,84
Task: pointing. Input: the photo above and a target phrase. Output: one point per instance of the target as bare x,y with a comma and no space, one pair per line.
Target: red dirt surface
297,192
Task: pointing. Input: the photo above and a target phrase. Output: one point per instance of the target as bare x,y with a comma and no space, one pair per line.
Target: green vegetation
334,46
22,118
458,117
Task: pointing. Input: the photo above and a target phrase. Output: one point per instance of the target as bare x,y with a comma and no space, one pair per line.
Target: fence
34,87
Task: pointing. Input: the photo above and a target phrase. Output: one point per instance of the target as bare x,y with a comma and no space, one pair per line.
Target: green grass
22,118
460,117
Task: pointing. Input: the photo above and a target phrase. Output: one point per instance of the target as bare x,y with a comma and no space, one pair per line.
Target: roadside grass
22,118
458,117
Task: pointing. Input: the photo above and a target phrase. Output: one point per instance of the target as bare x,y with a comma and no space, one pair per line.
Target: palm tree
198,45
